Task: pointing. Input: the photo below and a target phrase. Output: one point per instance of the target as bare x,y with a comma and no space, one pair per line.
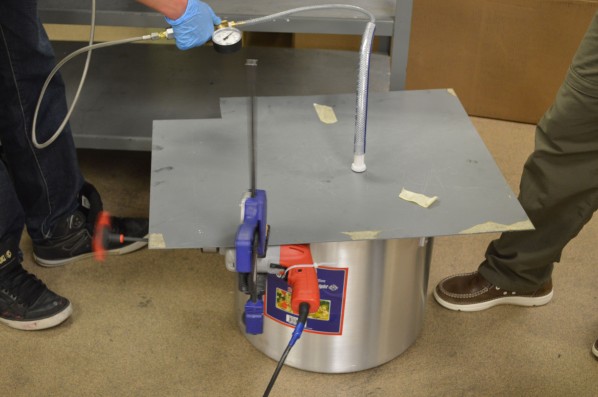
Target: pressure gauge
227,39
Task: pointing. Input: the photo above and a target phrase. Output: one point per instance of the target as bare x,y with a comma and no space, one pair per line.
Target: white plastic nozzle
358,163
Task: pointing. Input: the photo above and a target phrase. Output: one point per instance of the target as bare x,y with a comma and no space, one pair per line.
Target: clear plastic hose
277,15
362,99
358,164
76,98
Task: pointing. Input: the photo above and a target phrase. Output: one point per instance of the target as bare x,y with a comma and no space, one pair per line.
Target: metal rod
251,65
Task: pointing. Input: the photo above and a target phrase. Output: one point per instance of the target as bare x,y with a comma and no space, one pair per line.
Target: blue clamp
254,221
254,224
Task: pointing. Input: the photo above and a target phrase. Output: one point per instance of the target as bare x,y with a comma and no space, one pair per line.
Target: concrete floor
160,323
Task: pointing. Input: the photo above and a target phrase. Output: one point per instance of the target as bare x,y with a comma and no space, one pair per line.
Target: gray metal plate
422,141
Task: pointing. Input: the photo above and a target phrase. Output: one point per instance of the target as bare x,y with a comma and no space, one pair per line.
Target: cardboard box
504,58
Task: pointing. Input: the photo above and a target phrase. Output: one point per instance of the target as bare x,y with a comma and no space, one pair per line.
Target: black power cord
303,313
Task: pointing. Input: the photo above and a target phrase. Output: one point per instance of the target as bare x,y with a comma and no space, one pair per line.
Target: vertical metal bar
400,44
251,67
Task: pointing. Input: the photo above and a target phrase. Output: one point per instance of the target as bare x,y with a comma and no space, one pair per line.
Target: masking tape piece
451,91
498,227
325,113
417,198
156,240
363,235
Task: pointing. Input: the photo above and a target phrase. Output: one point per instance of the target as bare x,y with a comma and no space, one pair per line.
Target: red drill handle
101,236
303,280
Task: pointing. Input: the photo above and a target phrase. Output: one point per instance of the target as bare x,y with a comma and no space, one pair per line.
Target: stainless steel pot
373,293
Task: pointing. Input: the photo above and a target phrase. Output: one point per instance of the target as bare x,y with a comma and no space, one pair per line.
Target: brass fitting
167,34
225,24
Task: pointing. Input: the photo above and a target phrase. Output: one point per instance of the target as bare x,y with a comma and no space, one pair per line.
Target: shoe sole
36,325
507,300
116,251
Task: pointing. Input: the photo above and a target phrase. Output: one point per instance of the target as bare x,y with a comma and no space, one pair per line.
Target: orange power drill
301,276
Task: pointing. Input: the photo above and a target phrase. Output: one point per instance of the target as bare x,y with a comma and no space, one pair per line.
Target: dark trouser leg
46,181
12,218
559,185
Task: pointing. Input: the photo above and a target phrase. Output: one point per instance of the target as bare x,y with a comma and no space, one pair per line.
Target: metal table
117,106
131,100
393,20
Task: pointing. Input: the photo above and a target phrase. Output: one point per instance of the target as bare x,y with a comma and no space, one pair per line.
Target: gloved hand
195,26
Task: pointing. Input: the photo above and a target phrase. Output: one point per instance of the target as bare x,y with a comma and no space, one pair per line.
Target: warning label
329,317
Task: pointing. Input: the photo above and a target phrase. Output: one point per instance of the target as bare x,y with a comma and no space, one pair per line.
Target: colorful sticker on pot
329,317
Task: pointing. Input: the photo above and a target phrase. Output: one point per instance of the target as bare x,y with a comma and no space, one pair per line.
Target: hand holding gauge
227,39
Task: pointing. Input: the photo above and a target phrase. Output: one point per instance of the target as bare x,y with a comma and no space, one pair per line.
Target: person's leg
46,181
60,207
25,302
559,192
559,185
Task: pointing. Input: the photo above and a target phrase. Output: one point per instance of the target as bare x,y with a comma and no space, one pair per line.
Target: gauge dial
227,39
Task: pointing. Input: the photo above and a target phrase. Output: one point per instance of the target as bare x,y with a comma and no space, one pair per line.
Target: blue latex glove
195,26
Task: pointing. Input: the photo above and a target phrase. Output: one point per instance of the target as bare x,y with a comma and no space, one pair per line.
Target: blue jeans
37,187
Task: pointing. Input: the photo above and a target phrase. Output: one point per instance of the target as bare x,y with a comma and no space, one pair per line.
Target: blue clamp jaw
254,317
252,235
254,223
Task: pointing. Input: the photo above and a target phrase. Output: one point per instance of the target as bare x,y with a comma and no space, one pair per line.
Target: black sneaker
72,237
25,302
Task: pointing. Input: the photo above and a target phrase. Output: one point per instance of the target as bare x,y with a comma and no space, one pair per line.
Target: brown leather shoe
595,348
471,292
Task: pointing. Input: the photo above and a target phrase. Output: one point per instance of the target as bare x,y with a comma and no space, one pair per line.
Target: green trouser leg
559,185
